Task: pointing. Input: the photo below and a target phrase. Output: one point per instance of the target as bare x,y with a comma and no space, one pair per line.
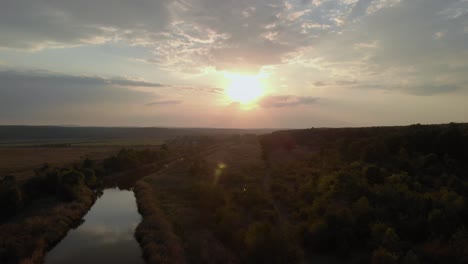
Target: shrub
71,185
383,256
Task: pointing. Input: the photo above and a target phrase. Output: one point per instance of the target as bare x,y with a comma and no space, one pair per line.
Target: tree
11,197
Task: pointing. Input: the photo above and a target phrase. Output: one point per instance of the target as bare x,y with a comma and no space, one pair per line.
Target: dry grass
22,161
155,234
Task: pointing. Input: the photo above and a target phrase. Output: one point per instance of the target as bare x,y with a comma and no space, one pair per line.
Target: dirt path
280,210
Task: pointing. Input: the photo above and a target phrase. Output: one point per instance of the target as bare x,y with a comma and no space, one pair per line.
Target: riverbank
36,214
155,233
28,237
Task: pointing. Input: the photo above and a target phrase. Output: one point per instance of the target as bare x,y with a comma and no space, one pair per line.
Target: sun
244,89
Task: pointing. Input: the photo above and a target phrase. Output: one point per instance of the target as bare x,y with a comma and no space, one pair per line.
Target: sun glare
243,88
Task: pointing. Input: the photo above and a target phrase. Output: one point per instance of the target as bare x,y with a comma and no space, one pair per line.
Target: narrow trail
283,215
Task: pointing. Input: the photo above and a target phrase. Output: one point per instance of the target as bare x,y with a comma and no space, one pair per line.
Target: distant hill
40,133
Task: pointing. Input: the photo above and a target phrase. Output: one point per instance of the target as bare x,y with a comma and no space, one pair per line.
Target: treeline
375,195
128,158
68,183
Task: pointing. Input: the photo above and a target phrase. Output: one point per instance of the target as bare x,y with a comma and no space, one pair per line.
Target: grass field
21,161
21,157
81,142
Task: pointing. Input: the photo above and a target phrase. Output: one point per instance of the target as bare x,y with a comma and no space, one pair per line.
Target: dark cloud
34,24
164,102
26,94
286,101
415,89
427,90
127,82
43,78
346,82
319,83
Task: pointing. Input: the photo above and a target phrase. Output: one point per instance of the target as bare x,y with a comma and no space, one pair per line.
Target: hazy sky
169,62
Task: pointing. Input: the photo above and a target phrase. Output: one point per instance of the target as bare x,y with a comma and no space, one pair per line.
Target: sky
233,63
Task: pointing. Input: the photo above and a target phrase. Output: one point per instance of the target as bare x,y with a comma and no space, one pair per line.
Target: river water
106,236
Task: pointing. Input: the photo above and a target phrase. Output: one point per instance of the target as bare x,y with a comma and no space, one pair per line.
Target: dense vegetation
358,195
353,195
37,213
380,195
212,207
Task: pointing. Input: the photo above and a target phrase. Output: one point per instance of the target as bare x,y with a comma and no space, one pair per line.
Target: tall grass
155,234
28,240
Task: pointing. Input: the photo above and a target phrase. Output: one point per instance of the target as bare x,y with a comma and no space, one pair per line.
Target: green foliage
67,184
398,194
128,158
268,244
71,184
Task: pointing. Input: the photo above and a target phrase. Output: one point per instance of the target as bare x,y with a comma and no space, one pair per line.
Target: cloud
386,43
431,89
164,102
44,78
229,35
320,83
412,46
345,82
278,101
29,94
36,24
36,97
359,9
129,82
183,35
204,89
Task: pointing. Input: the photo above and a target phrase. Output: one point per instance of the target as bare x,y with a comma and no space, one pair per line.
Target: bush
11,197
71,185
90,178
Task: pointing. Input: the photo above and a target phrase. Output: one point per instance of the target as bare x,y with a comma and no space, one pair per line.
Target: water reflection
106,235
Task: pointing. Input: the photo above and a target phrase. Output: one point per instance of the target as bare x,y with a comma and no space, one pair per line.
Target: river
106,236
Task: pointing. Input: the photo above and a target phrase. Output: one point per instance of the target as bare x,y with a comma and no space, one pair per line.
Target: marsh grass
26,238
155,234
